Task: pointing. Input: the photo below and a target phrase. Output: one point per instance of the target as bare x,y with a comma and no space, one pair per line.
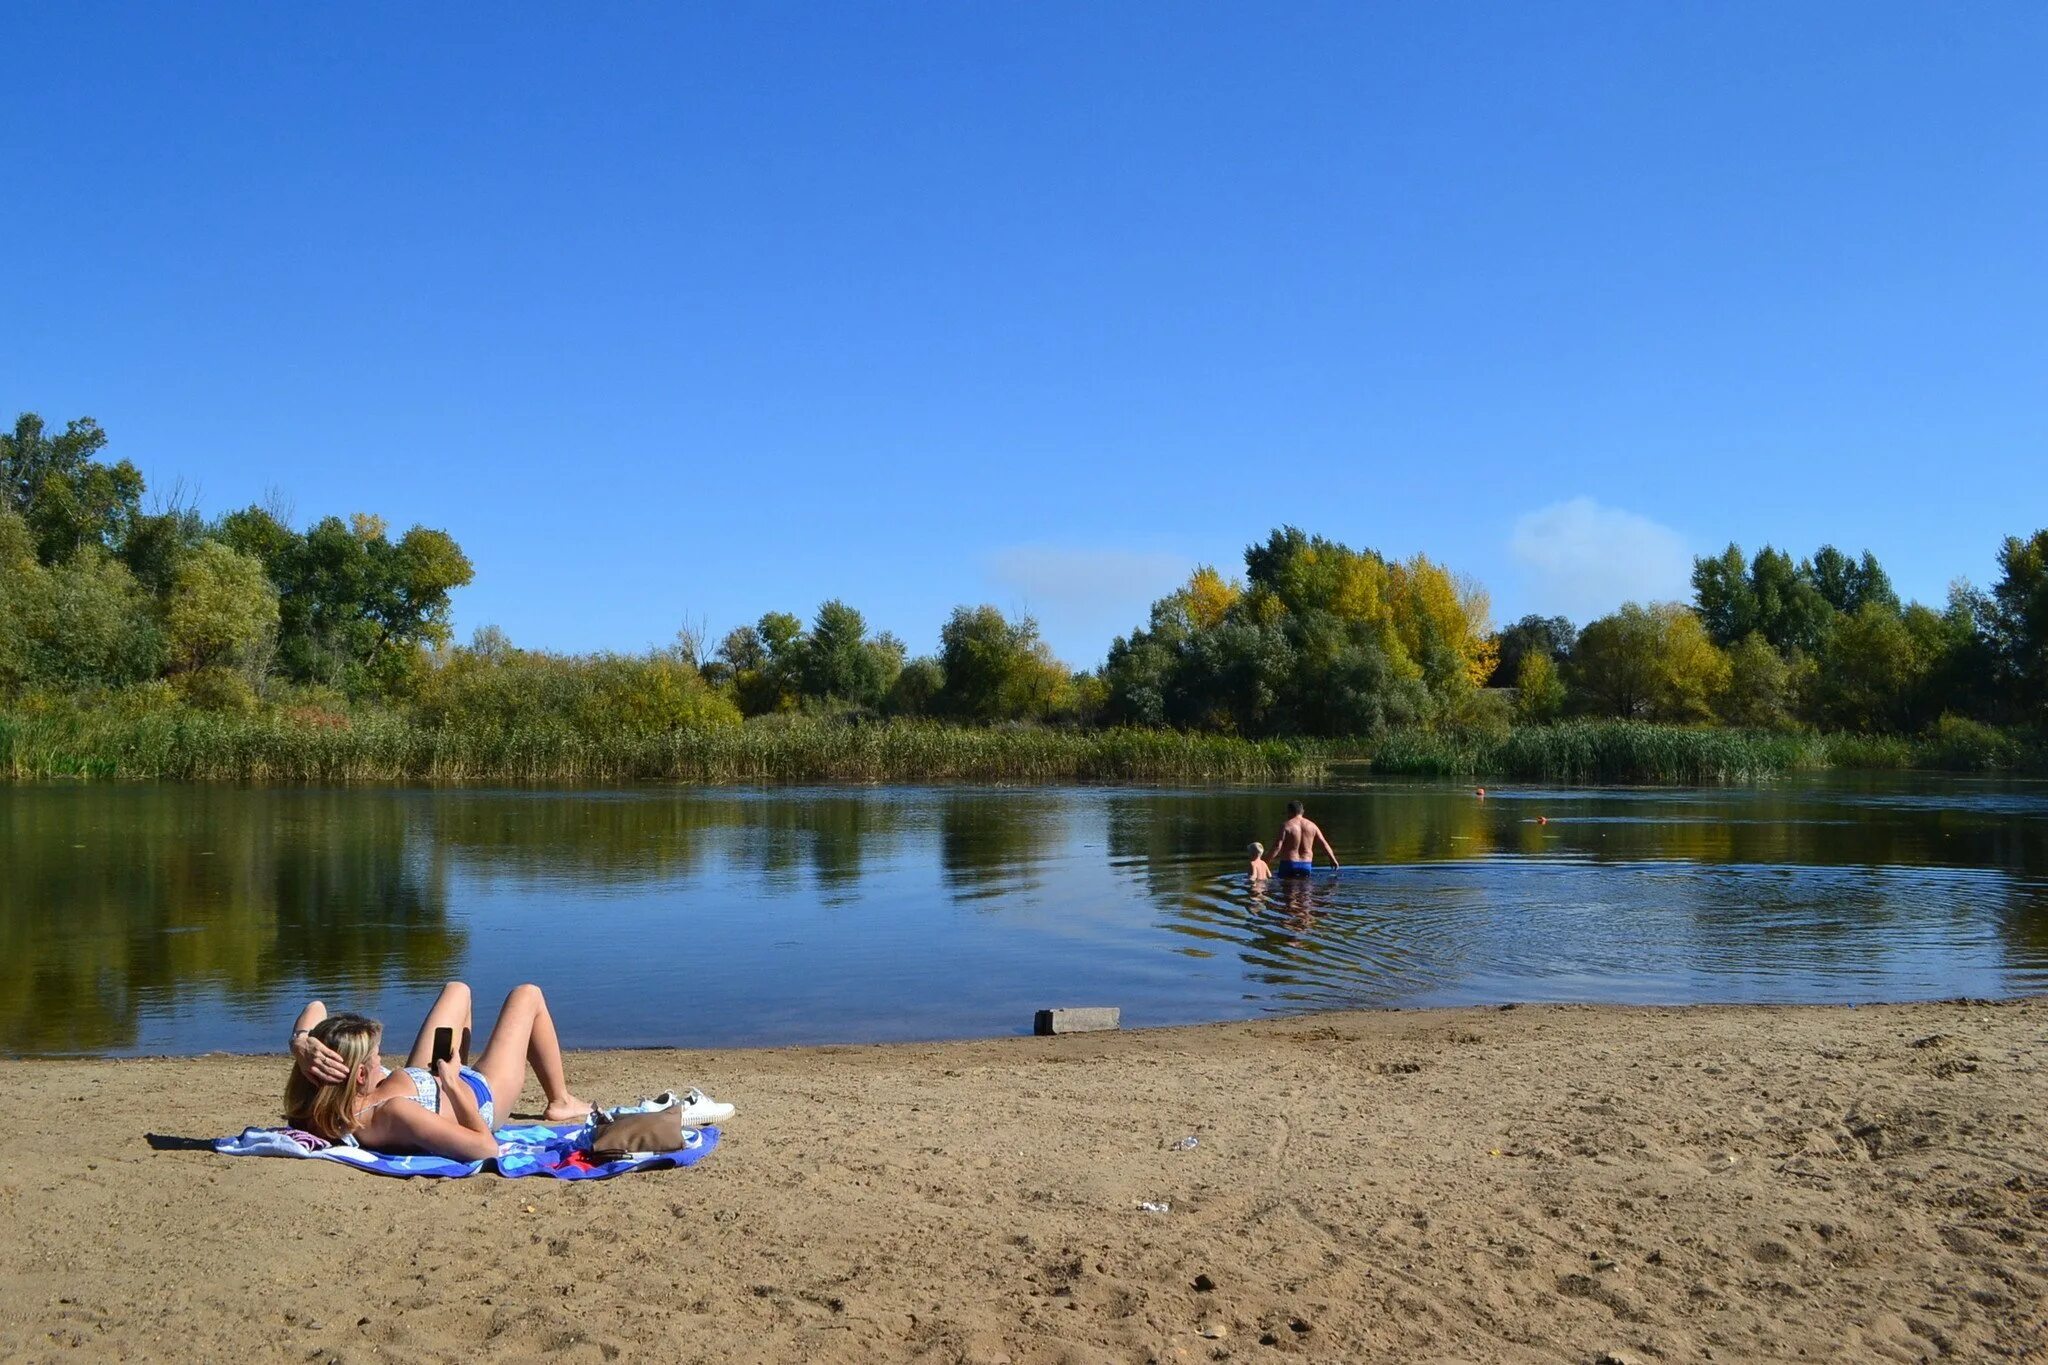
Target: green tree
1616,667
68,499
1759,688
1651,663
1695,671
1142,666
1964,672
259,533
1869,672
915,692
491,644
156,545
996,669
1423,619
1871,585
221,612
1778,597
781,635
1790,611
1553,636
1343,682
1539,694
762,664
18,575
838,662
1087,697
354,606
1234,677
1846,584
83,623
1724,597
2016,624
741,649
1325,640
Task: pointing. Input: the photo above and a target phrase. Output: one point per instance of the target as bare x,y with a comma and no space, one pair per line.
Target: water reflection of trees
2023,925
987,841
117,901
993,843
114,897
639,838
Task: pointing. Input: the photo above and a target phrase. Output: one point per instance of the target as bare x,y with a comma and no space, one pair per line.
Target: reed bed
1604,751
1639,752
385,748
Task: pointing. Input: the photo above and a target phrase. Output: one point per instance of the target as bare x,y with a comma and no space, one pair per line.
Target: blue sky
699,311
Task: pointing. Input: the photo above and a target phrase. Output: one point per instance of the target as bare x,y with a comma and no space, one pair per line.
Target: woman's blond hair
329,1110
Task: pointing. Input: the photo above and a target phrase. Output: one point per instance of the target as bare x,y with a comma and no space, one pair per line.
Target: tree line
103,600
100,598
1773,643
97,592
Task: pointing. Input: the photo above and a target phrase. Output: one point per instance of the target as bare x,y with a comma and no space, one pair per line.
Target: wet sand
1555,1184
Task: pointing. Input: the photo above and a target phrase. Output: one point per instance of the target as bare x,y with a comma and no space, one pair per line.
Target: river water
138,919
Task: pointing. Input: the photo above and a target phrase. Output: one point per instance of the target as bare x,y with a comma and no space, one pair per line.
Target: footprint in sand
1283,1133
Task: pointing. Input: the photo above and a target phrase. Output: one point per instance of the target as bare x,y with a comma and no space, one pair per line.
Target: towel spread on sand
559,1150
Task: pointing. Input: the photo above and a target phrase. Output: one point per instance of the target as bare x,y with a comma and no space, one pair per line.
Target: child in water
1259,870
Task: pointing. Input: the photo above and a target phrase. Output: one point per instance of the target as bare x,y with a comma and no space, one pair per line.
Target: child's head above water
1257,851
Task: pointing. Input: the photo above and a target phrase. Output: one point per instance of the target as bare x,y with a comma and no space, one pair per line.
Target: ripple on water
1572,927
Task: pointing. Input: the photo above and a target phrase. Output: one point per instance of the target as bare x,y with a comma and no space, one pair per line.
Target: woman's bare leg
525,1033
451,1011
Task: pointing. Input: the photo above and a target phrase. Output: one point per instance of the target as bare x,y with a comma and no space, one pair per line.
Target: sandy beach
1520,1184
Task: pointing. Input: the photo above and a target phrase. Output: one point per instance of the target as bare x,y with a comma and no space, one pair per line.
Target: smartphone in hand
444,1044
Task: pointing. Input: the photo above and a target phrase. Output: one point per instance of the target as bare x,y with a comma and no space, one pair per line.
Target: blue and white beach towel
558,1150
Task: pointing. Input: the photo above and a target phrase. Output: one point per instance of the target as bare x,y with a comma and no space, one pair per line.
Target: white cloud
1583,559
1083,597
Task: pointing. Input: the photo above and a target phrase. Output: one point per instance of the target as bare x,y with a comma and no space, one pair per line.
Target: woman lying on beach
340,1090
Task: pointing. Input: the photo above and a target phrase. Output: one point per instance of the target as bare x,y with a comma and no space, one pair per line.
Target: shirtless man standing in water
1294,855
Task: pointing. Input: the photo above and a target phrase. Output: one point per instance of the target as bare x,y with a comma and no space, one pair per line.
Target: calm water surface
181,919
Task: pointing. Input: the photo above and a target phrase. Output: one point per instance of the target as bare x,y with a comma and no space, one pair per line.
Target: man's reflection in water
1291,900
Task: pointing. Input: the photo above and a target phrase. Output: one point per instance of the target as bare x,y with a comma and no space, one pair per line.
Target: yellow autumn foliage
1422,615
1210,596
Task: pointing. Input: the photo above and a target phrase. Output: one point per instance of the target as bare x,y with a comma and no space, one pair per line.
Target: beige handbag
629,1134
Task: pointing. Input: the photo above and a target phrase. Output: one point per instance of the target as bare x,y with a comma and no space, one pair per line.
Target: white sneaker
700,1109
667,1099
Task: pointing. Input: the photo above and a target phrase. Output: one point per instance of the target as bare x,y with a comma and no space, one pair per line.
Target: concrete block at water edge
1089,1019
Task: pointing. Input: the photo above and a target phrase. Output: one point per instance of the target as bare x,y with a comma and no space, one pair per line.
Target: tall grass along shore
382,747
1640,752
